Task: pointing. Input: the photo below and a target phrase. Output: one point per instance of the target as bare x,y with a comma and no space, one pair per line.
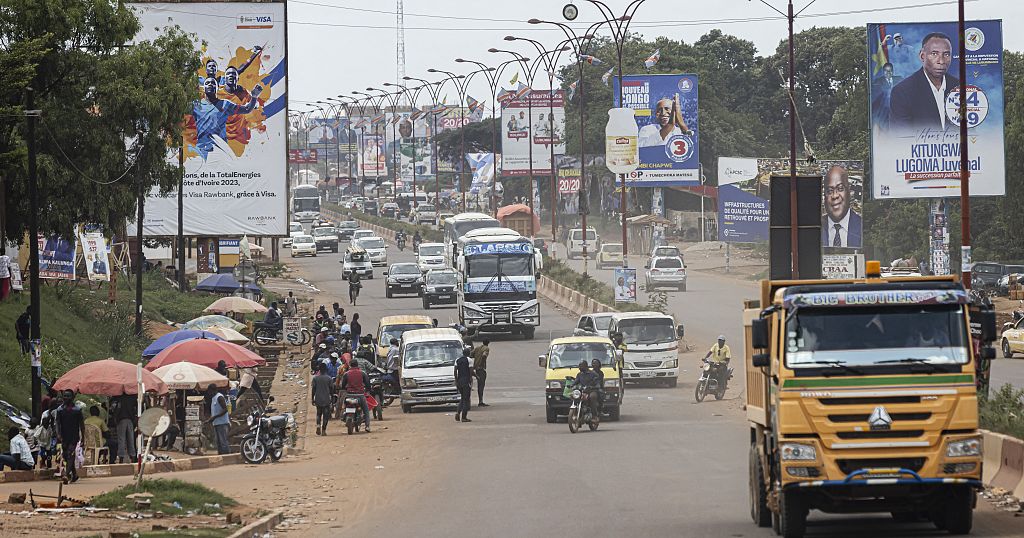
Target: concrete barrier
992,455
260,527
1003,463
572,300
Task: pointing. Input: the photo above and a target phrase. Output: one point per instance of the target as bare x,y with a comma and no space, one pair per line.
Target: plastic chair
94,445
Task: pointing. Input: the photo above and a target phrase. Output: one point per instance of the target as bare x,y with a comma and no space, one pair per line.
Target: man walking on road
70,431
464,381
219,418
480,355
321,385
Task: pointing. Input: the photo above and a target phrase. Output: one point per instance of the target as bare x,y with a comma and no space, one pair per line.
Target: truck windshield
432,250
570,355
647,331
873,336
396,332
488,265
432,354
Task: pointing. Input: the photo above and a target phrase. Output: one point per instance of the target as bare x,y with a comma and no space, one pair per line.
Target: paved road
668,468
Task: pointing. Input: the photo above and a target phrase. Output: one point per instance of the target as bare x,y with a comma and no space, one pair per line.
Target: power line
80,172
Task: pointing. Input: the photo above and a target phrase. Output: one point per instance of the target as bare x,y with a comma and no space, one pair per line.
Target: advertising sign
665,108
744,205
569,174
498,248
842,266
372,155
915,102
302,156
625,285
938,237
482,165
236,128
96,254
412,143
57,258
206,255
527,121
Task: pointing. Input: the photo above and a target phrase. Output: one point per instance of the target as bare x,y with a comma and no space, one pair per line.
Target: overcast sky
336,46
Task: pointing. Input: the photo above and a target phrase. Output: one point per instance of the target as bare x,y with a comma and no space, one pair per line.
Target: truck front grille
874,400
849,466
648,364
511,306
896,417
884,434
435,382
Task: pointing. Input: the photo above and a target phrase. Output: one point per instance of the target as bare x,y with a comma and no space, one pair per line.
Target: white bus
305,203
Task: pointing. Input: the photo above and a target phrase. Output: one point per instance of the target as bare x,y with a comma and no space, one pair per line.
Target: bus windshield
462,228
488,265
876,336
301,205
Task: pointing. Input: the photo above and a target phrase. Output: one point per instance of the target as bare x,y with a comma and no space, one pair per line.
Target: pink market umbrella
207,353
108,377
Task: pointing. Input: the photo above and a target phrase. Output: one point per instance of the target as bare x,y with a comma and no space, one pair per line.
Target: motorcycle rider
586,381
416,240
720,355
273,318
595,366
354,283
355,382
400,239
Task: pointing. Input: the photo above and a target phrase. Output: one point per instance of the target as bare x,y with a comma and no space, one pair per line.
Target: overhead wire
53,139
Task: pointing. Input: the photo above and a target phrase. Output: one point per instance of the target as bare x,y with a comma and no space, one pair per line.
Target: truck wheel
1007,352
792,515
426,304
959,512
672,383
552,415
406,408
759,511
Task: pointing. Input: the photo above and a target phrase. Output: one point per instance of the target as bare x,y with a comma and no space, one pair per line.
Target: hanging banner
302,156
625,285
665,108
915,102
57,258
372,156
414,148
482,165
236,128
744,205
538,120
938,237
96,254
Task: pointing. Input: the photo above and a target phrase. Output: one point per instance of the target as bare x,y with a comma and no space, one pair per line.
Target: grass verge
560,272
169,496
1003,411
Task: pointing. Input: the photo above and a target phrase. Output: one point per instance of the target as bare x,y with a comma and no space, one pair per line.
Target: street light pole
32,116
965,173
461,83
392,100
434,90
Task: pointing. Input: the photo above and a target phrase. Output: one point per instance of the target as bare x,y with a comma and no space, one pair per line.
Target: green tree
111,108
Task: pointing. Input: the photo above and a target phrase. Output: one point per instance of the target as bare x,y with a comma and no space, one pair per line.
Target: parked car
403,278
346,229
439,287
593,324
356,261
389,210
294,228
666,272
987,274
303,245
376,248
574,244
326,238
610,255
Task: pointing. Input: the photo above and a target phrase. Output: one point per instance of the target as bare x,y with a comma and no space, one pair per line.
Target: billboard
236,131
744,199
625,285
372,155
528,121
569,174
56,257
413,141
482,165
96,254
915,101
665,108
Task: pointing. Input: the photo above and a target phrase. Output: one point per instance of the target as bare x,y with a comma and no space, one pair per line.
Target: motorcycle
266,335
268,435
710,380
354,412
401,243
383,388
579,409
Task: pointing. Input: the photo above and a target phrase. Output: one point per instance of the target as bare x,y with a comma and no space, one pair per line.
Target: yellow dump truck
861,397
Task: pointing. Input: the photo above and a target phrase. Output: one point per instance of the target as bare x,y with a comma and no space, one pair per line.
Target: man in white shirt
20,458
668,122
5,275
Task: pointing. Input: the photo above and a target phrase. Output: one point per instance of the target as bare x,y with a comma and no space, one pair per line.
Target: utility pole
182,283
140,257
33,241
965,173
793,235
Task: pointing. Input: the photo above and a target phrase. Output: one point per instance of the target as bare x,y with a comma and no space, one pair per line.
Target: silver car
666,272
375,248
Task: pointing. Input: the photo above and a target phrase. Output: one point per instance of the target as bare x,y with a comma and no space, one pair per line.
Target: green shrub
190,497
601,292
1003,411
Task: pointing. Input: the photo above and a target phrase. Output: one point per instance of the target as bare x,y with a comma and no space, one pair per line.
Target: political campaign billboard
527,122
57,257
95,253
665,108
235,135
913,71
744,199
372,155
412,134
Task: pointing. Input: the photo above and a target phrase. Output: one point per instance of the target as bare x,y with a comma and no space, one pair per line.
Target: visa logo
255,21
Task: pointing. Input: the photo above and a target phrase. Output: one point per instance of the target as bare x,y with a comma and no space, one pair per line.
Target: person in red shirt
355,382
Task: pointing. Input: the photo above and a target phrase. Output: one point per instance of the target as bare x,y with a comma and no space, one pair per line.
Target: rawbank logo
974,39
255,21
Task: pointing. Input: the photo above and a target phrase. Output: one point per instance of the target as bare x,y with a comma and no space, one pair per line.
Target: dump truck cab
861,397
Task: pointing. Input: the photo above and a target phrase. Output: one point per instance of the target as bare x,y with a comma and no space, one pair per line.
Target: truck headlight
963,447
671,364
554,384
611,382
408,383
431,289
532,310
472,312
797,451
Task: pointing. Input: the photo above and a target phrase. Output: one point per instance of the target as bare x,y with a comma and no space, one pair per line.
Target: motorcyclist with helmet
589,382
416,240
400,239
720,355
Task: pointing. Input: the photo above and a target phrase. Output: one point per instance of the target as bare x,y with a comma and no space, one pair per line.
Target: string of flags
592,60
607,75
652,60
572,88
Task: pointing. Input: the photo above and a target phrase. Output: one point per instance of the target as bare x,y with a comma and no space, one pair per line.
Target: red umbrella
207,353
108,377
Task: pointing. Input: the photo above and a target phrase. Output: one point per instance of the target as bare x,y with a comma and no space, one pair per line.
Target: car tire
388,293
1007,352
551,415
613,414
406,408
426,304
682,288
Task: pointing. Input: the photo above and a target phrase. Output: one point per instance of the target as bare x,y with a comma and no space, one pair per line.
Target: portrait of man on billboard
669,121
840,225
919,101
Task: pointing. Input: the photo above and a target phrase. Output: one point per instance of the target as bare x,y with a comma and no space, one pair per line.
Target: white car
425,214
375,248
668,271
359,234
593,324
294,228
303,245
575,243
430,256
